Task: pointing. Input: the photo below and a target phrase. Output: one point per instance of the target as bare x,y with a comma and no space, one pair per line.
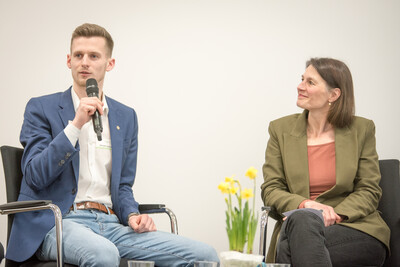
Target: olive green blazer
356,194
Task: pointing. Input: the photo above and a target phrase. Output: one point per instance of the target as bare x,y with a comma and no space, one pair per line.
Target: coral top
321,168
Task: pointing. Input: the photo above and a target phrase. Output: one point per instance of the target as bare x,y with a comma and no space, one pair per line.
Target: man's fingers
142,223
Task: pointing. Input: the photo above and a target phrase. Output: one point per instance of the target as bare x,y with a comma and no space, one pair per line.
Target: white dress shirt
94,158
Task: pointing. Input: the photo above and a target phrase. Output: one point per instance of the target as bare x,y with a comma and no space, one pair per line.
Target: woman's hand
330,216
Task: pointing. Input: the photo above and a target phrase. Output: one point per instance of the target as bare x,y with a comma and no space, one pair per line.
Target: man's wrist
132,214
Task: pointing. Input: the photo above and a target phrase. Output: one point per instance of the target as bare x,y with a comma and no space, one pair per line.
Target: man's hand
86,109
142,223
330,216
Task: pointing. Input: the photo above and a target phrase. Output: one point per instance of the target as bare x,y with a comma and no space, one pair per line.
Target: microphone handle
97,123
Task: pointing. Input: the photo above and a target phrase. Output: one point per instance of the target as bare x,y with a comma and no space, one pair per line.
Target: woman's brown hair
337,75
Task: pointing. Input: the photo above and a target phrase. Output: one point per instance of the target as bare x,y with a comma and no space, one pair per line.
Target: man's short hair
93,30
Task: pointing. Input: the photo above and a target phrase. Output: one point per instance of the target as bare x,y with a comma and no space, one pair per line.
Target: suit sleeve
366,194
46,152
127,202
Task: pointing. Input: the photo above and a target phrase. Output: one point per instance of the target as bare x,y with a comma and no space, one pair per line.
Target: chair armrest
160,208
151,208
23,206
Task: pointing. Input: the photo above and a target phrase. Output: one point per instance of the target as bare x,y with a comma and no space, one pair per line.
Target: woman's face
313,93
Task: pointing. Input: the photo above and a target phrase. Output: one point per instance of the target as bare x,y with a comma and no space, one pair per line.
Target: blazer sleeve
275,191
126,199
47,149
366,194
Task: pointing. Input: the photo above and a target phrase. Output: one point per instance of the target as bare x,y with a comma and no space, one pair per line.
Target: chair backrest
389,206
11,157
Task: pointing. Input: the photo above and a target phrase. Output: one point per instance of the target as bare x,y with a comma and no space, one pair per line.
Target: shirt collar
76,101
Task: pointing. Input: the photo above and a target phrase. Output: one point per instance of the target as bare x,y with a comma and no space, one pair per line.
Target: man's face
89,58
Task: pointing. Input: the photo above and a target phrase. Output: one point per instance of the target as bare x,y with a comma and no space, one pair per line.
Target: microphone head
91,87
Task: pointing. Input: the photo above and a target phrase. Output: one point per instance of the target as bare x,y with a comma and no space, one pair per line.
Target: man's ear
69,61
110,64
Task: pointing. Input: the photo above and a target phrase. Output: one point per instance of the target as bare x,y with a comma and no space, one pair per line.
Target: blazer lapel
296,157
67,113
346,155
346,162
115,118
66,110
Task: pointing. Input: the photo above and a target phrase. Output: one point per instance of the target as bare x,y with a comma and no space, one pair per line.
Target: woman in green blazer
323,165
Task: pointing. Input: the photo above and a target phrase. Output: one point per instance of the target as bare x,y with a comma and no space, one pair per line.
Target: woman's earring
329,103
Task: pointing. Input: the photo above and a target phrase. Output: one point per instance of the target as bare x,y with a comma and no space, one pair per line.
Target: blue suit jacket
50,166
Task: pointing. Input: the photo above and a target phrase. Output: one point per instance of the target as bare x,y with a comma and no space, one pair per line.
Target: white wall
205,78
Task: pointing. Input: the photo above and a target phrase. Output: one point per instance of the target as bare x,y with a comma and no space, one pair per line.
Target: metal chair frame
14,206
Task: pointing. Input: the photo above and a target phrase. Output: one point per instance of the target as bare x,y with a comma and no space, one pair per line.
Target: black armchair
13,176
389,206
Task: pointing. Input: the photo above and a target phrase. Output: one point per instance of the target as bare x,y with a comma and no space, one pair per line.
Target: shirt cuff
72,133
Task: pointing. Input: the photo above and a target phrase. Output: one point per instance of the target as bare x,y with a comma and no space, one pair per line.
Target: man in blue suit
90,180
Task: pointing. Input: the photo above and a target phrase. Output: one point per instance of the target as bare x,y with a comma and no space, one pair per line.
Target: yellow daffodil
251,173
247,193
224,187
241,219
233,190
229,179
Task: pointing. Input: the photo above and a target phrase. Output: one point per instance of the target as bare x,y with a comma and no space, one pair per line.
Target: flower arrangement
241,220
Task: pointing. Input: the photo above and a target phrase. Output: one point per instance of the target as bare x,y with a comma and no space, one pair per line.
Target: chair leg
263,231
58,221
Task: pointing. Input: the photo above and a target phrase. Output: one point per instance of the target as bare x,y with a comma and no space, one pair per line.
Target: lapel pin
118,127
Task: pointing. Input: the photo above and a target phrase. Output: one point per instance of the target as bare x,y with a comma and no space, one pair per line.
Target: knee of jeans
107,256
206,253
304,216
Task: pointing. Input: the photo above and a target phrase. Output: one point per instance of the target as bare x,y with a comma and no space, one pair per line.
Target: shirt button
61,162
67,155
73,191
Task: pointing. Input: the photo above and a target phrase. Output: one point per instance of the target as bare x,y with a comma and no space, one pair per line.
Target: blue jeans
94,238
305,241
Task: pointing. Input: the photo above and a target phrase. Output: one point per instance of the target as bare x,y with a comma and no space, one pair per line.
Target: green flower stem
241,221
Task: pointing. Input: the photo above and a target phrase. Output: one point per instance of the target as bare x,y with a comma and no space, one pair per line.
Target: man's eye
94,56
78,55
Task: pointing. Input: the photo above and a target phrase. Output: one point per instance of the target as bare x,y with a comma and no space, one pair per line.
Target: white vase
238,259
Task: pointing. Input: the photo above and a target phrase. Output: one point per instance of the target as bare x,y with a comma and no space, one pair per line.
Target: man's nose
85,60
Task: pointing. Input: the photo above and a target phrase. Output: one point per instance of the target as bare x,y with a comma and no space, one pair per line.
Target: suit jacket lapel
67,113
296,157
66,110
115,118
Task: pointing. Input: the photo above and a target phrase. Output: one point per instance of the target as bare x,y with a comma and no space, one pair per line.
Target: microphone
93,90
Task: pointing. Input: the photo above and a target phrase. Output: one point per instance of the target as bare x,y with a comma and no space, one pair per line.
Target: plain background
206,78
